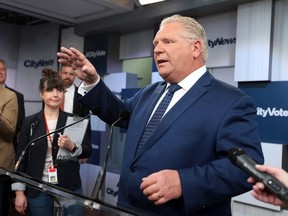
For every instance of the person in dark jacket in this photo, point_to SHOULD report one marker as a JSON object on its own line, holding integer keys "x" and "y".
{"x": 54, "y": 159}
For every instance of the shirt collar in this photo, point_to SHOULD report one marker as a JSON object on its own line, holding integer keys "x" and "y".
{"x": 71, "y": 88}
{"x": 191, "y": 79}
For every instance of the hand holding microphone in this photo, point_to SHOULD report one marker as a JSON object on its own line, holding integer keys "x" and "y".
{"x": 239, "y": 158}
{"x": 259, "y": 189}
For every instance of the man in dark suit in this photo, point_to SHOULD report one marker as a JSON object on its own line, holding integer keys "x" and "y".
{"x": 182, "y": 167}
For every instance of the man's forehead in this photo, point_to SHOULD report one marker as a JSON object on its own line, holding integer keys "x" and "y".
{"x": 67, "y": 70}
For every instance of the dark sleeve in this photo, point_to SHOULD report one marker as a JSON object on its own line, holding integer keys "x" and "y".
{"x": 21, "y": 111}
{"x": 86, "y": 143}
{"x": 23, "y": 141}
{"x": 78, "y": 108}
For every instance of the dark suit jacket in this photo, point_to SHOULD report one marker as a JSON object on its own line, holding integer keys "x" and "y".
{"x": 78, "y": 108}
{"x": 33, "y": 164}
{"x": 192, "y": 138}
{"x": 21, "y": 114}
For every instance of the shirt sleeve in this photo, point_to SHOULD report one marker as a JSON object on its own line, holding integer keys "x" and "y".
{"x": 83, "y": 89}
{"x": 18, "y": 186}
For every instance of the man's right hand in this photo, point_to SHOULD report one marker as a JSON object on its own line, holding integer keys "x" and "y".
{"x": 83, "y": 68}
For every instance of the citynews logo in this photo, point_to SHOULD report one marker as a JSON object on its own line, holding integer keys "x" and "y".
{"x": 221, "y": 41}
{"x": 40, "y": 63}
{"x": 94, "y": 54}
{"x": 272, "y": 112}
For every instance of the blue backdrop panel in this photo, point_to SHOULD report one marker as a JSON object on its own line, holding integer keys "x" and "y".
{"x": 96, "y": 51}
{"x": 129, "y": 92}
{"x": 271, "y": 99}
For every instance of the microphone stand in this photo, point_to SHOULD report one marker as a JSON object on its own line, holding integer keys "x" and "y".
{"x": 102, "y": 173}
{"x": 60, "y": 192}
{"x": 90, "y": 202}
{"x": 18, "y": 163}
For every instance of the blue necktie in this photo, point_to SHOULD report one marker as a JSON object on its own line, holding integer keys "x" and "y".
{"x": 156, "y": 118}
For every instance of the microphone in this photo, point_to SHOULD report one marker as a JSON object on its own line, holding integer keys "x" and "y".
{"x": 95, "y": 111}
{"x": 240, "y": 159}
{"x": 101, "y": 176}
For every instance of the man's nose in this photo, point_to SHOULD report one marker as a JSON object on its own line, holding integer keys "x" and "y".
{"x": 158, "y": 49}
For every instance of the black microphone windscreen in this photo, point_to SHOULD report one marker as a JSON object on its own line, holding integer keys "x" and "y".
{"x": 233, "y": 153}
{"x": 124, "y": 115}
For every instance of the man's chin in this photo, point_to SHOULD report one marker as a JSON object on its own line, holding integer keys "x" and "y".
{"x": 67, "y": 85}
{"x": 162, "y": 74}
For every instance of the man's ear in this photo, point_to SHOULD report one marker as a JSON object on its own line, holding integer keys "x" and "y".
{"x": 197, "y": 46}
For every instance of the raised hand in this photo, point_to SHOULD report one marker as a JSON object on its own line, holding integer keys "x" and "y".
{"x": 83, "y": 68}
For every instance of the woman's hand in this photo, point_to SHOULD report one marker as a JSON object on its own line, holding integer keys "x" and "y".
{"x": 20, "y": 202}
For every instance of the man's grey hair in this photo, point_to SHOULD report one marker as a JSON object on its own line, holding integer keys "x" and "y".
{"x": 192, "y": 30}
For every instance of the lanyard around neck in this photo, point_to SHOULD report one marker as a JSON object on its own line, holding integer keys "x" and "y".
{"x": 47, "y": 129}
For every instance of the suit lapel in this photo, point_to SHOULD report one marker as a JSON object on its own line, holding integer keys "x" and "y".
{"x": 143, "y": 116}
{"x": 60, "y": 123}
{"x": 38, "y": 125}
{"x": 199, "y": 89}
{"x": 76, "y": 109}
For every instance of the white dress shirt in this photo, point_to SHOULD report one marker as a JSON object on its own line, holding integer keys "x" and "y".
{"x": 69, "y": 99}
{"x": 185, "y": 84}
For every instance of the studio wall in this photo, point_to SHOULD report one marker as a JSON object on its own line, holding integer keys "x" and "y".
{"x": 9, "y": 46}
{"x": 247, "y": 44}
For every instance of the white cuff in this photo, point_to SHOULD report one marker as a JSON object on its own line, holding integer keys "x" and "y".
{"x": 82, "y": 90}
{"x": 18, "y": 186}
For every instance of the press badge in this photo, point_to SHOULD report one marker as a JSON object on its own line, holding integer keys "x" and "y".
{"x": 52, "y": 175}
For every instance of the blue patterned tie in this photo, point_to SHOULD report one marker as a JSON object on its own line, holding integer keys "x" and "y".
{"x": 156, "y": 118}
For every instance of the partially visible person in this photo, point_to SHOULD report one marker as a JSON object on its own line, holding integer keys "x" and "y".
{"x": 70, "y": 104}
{"x": 54, "y": 156}
{"x": 176, "y": 165}
{"x": 8, "y": 207}
{"x": 259, "y": 190}
{"x": 20, "y": 100}
{"x": 8, "y": 121}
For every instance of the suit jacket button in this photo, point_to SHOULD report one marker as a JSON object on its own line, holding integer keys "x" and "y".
{"x": 132, "y": 169}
